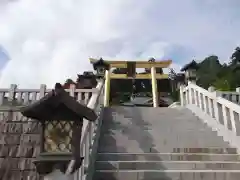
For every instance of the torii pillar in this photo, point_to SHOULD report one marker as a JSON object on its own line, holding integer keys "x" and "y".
{"x": 131, "y": 74}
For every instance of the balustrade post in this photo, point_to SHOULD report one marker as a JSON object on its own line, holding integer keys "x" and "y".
{"x": 215, "y": 104}
{"x": 212, "y": 90}
{"x": 238, "y": 89}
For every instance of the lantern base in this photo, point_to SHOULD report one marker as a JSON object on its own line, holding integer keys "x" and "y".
{"x": 46, "y": 163}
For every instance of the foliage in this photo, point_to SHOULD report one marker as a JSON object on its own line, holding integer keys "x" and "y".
{"x": 224, "y": 77}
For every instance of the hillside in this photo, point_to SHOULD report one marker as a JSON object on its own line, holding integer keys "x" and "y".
{"x": 223, "y": 77}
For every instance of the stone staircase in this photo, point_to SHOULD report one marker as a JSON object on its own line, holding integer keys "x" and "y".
{"x": 138, "y": 143}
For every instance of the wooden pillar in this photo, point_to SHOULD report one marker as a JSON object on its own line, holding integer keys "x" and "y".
{"x": 154, "y": 87}
{"x": 107, "y": 88}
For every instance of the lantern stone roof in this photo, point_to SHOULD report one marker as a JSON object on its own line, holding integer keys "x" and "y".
{"x": 58, "y": 104}
{"x": 100, "y": 62}
{"x": 191, "y": 65}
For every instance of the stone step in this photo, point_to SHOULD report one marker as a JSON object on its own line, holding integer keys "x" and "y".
{"x": 148, "y": 148}
{"x": 162, "y": 147}
{"x": 169, "y": 136}
{"x": 167, "y": 175}
{"x": 139, "y": 129}
{"x": 171, "y": 165}
{"x": 167, "y": 157}
{"x": 171, "y": 130}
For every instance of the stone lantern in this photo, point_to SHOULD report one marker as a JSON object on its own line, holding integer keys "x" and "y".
{"x": 190, "y": 71}
{"x": 61, "y": 119}
{"x": 100, "y": 66}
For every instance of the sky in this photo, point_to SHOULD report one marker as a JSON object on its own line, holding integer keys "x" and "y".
{"x": 48, "y": 41}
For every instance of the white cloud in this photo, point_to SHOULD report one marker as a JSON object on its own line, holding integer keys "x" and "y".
{"x": 51, "y": 40}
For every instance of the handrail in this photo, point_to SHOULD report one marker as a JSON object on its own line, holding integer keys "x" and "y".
{"x": 225, "y": 112}
{"x": 88, "y": 130}
{"x": 219, "y": 99}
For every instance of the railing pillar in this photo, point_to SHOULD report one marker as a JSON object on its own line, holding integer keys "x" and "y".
{"x": 211, "y": 89}
{"x": 154, "y": 87}
{"x": 238, "y": 89}
{"x": 107, "y": 89}
{"x": 182, "y": 100}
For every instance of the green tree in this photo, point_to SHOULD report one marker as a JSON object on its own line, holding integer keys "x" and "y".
{"x": 208, "y": 71}
{"x": 235, "y": 58}
{"x": 222, "y": 84}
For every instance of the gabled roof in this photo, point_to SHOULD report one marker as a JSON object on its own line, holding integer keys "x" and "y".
{"x": 86, "y": 81}
{"x": 88, "y": 74}
{"x": 191, "y": 65}
{"x": 58, "y": 104}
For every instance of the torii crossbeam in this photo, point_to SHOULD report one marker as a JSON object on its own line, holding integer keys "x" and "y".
{"x": 131, "y": 74}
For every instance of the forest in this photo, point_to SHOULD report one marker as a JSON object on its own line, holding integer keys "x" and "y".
{"x": 224, "y": 77}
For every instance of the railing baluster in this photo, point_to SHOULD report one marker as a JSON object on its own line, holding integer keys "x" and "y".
{"x": 1, "y": 97}
{"x": 201, "y": 101}
{"x": 34, "y": 96}
{"x": 222, "y": 106}
{"x": 86, "y": 97}
{"x": 224, "y": 113}
{"x": 80, "y": 97}
{"x": 205, "y": 103}
{"x": 26, "y": 98}
{"x": 232, "y": 119}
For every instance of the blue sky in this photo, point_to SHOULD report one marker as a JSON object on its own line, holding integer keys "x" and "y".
{"x": 51, "y": 40}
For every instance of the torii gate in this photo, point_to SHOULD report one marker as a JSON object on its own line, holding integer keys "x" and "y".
{"x": 131, "y": 74}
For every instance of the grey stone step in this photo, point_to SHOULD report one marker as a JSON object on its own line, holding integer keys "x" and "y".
{"x": 136, "y": 149}
{"x": 168, "y": 175}
{"x": 138, "y": 129}
{"x": 170, "y": 137}
{"x": 165, "y": 130}
{"x": 167, "y": 157}
{"x": 140, "y": 144}
{"x": 190, "y": 151}
{"x": 171, "y": 165}
{"x": 139, "y": 134}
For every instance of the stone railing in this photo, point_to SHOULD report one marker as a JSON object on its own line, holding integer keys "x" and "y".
{"x": 230, "y": 95}
{"x": 17, "y": 96}
{"x": 13, "y": 99}
{"x": 90, "y": 136}
{"x": 89, "y": 142}
{"x": 225, "y": 114}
